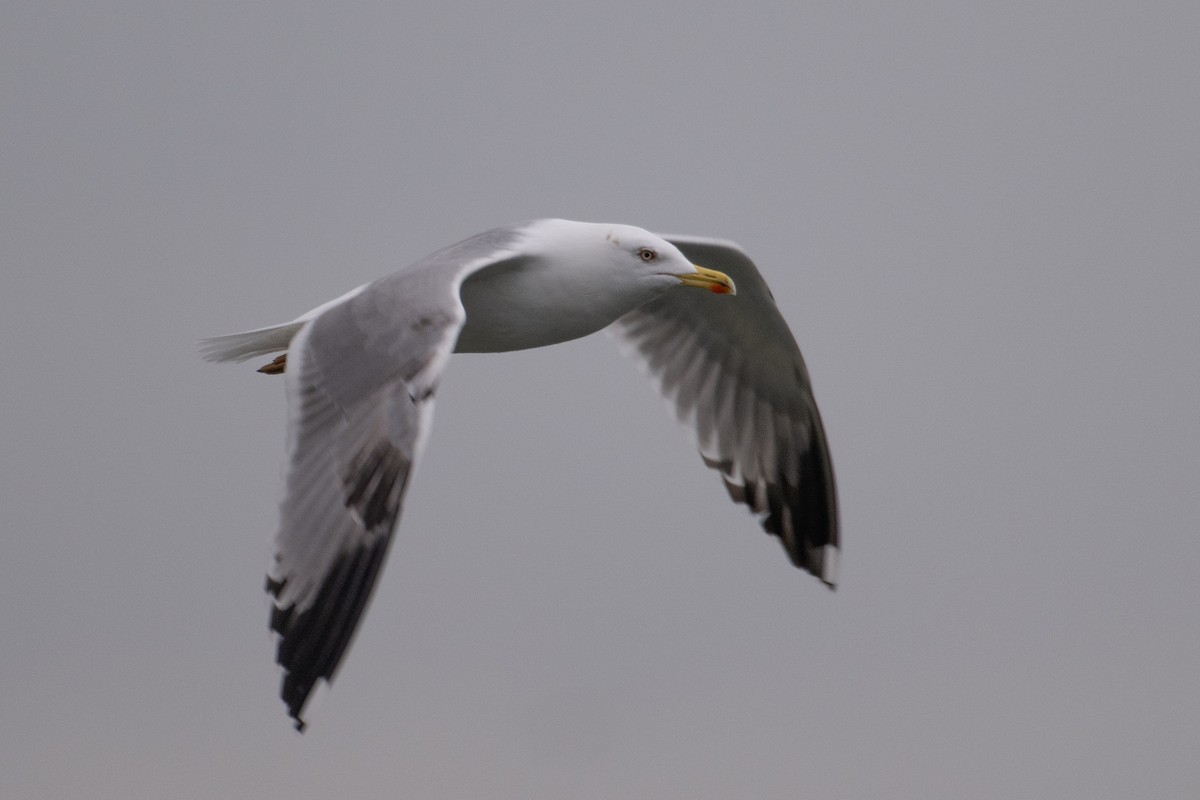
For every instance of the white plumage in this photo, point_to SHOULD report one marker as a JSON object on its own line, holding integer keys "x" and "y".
{"x": 362, "y": 371}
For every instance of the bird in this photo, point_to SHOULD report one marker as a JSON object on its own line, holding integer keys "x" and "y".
{"x": 362, "y": 371}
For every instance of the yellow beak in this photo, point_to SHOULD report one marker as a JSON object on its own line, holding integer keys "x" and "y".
{"x": 705, "y": 278}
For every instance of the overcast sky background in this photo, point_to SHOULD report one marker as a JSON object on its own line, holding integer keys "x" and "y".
{"x": 982, "y": 225}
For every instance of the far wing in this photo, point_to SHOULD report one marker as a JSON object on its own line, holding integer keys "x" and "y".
{"x": 732, "y": 370}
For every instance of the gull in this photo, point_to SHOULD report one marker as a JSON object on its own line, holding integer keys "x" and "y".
{"x": 361, "y": 372}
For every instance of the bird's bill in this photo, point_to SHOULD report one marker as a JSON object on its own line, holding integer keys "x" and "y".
{"x": 705, "y": 278}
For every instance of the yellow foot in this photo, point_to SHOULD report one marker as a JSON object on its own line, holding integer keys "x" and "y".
{"x": 276, "y": 367}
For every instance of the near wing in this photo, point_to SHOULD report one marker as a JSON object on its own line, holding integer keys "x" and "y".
{"x": 360, "y": 378}
{"x": 732, "y": 370}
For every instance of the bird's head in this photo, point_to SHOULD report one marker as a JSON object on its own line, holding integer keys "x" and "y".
{"x": 630, "y": 256}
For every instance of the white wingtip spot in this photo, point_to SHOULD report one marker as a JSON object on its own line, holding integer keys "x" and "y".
{"x": 315, "y": 700}
{"x": 829, "y": 565}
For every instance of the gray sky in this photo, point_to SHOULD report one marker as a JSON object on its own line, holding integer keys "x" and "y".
{"x": 982, "y": 224}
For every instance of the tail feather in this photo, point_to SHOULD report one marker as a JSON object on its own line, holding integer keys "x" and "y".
{"x": 249, "y": 344}
{"x": 260, "y": 342}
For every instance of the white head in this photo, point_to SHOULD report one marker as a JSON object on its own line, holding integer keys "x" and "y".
{"x": 623, "y": 256}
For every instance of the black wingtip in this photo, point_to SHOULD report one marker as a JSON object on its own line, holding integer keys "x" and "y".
{"x": 313, "y": 640}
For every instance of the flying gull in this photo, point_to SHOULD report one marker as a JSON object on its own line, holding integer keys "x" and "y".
{"x": 362, "y": 371}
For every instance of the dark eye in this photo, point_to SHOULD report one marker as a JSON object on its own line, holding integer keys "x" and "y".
{"x": 646, "y": 254}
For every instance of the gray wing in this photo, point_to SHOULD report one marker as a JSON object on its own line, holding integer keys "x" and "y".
{"x": 360, "y": 378}
{"x": 731, "y": 368}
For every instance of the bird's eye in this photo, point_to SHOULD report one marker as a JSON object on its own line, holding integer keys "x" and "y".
{"x": 646, "y": 254}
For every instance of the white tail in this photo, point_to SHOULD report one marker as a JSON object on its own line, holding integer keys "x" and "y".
{"x": 241, "y": 346}
{"x": 261, "y": 341}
